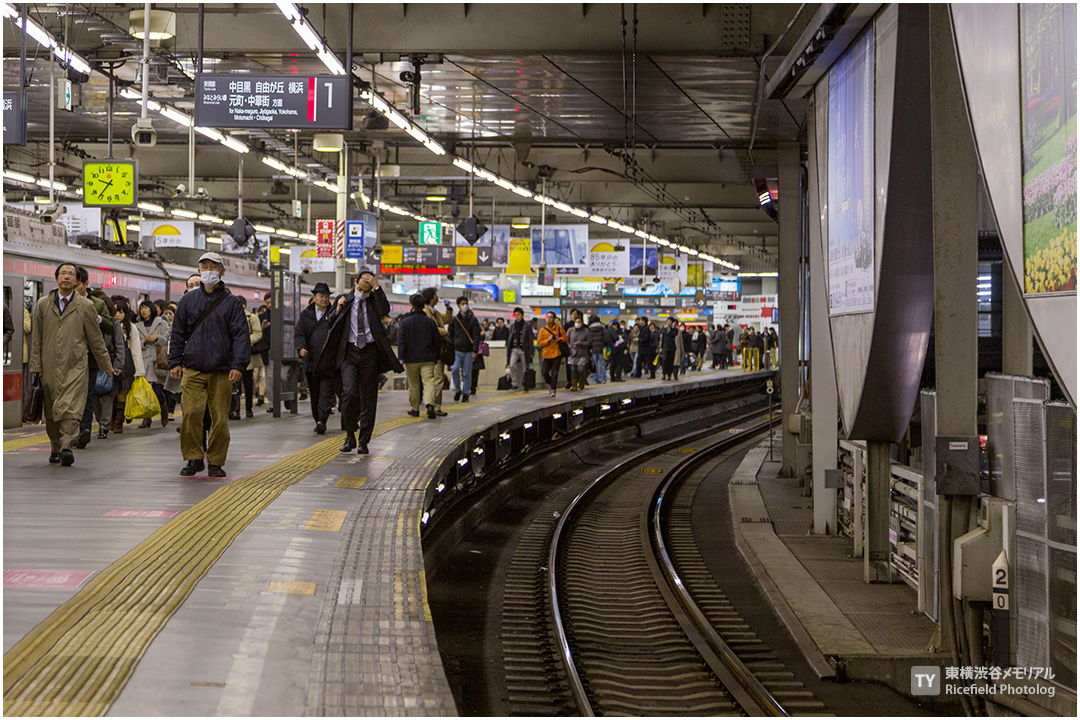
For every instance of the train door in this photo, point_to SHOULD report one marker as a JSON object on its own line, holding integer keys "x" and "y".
{"x": 13, "y": 354}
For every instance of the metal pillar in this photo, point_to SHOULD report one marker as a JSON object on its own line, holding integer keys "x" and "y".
{"x": 790, "y": 155}
{"x": 1016, "y": 332}
{"x": 824, "y": 401}
{"x": 876, "y": 557}
{"x": 955, "y": 216}
{"x": 342, "y": 209}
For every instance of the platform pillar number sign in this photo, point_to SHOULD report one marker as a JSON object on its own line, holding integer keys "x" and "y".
{"x": 354, "y": 240}
{"x": 430, "y": 233}
{"x": 769, "y": 391}
{"x": 324, "y": 238}
{"x": 1000, "y": 612}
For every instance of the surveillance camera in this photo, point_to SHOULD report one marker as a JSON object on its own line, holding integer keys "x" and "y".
{"x": 180, "y": 189}
{"x": 376, "y": 252}
{"x": 201, "y": 192}
{"x": 656, "y": 279}
{"x": 409, "y": 77}
{"x": 143, "y": 133}
{"x": 52, "y": 213}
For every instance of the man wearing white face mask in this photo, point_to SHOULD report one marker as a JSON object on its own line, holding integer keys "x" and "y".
{"x": 208, "y": 351}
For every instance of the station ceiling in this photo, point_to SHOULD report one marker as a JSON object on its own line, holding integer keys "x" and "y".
{"x": 660, "y": 129}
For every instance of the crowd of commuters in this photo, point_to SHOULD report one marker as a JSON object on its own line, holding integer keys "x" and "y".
{"x": 87, "y": 350}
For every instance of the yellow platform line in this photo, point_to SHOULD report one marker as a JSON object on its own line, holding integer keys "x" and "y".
{"x": 78, "y": 659}
{"x": 43, "y": 438}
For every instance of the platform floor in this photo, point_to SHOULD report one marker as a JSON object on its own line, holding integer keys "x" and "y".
{"x": 295, "y": 586}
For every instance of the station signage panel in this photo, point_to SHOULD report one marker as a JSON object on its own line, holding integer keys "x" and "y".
{"x": 354, "y": 239}
{"x": 14, "y": 118}
{"x": 324, "y": 238}
{"x": 320, "y": 102}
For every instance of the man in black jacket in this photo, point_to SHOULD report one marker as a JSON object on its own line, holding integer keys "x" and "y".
{"x": 310, "y": 335}
{"x": 418, "y": 342}
{"x": 646, "y": 349}
{"x": 501, "y": 331}
{"x": 208, "y": 351}
{"x": 465, "y": 335}
{"x": 359, "y": 347}
{"x": 618, "y": 351}
{"x": 519, "y": 348}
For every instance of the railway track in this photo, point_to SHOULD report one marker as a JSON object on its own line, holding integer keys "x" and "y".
{"x": 626, "y": 619}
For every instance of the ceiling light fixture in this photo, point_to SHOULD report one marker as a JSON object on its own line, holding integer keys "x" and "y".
{"x": 307, "y": 33}
{"x": 162, "y": 24}
{"x": 520, "y": 223}
{"x": 328, "y": 142}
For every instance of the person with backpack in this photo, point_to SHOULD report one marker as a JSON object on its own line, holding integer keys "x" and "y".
{"x": 208, "y": 351}
{"x": 465, "y": 335}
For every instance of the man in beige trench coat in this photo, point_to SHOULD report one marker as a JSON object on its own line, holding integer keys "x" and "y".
{"x": 65, "y": 328}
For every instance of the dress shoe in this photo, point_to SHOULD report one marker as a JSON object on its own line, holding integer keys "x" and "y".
{"x": 413, "y": 413}
{"x": 83, "y": 440}
{"x": 440, "y": 413}
{"x": 145, "y": 423}
{"x": 350, "y": 443}
{"x": 457, "y": 396}
{"x": 464, "y": 398}
{"x": 361, "y": 449}
{"x": 67, "y": 458}
{"x": 430, "y": 412}
{"x": 192, "y": 467}
{"x": 250, "y": 414}
{"x": 234, "y": 416}
{"x": 320, "y": 428}
{"x": 165, "y": 421}
{"x": 103, "y": 433}
{"x": 54, "y": 458}
{"x": 216, "y": 471}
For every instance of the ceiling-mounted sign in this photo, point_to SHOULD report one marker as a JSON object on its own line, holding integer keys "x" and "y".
{"x": 430, "y": 233}
{"x": 14, "y": 118}
{"x": 321, "y": 102}
{"x": 169, "y": 233}
{"x": 354, "y": 239}
{"x": 563, "y": 245}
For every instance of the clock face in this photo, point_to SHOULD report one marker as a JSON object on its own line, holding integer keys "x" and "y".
{"x": 110, "y": 183}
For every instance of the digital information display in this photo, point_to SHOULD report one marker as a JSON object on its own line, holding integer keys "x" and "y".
{"x": 321, "y": 102}
{"x": 14, "y": 118}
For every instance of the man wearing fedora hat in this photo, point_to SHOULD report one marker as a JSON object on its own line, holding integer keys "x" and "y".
{"x": 312, "y": 330}
{"x": 208, "y": 350}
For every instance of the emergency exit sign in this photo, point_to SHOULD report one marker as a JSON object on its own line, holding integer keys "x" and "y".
{"x": 430, "y": 233}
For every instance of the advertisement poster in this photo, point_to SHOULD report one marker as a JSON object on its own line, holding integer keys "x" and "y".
{"x": 696, "y": 273}
{"x": 497, "y": 238}
{"x": 169, "y": 233}
{"x": 851, "y": 179}
{"x": 303, "y": 259}
{"x": 644, "y": 261}
{"x": 1048, "y": 148}
{"x": 672, "y": 271}
{"x": 519, "y": 257}
{"x": 609, "y": 258}
{"x": 564, "y": 245}
{"x": 324, "y": 238}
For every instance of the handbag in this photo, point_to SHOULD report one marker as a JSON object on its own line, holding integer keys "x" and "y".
{"x": 446, "y": 353}
{"x": 34, "y": 406}
{"x": 162, "y": 357}
{"x": 484, "y": 349}
{"x": 103, "y": 383}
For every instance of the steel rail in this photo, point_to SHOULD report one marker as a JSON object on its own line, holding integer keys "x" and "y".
{"x": 565, "y": 651}
{"x": 722, "y": 660}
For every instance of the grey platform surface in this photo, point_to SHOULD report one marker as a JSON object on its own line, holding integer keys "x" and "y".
{"x": 345, "y": 631}
{"x": 858, "y": 618}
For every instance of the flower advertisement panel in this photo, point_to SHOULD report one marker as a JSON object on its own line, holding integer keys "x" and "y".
{"x": 851, "y": 179}
{"x": 1048, "y": 135}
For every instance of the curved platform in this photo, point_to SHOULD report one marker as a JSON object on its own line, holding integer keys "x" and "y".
{"x": 295, "y": 586}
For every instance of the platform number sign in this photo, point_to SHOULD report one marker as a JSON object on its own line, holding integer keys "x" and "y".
{"x": 1001, "y": 582}
{"x": 430, "y": 233}
{"x": 768, "y": 387}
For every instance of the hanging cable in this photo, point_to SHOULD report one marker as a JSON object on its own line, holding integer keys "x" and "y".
{"x": 633, "y": 97}
{"x": 626, "y": 129}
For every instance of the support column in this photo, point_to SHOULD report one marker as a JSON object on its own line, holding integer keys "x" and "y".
{"x": 955, "y": 185}
{"x": 824, "y": 401}
{"x": 1016, "y": 331}
{"x": 790, "y": 306}
{"x": 876, "y": 556}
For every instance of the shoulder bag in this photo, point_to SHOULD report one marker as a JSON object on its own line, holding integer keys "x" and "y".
{"x": 194, "y": 326}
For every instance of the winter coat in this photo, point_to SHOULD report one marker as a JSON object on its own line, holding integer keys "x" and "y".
{"x": 527, "y": 339}
{"x": 337, "y": 341}
{"x": 149, "y": 352}
{"x": 59, "y": 351}
{"x": 503, "y": 333}
{"x": 418, "y": 339}
{"x": 599, "y": 337}
{"x": 311, "y": 333}
{"x": 634, "y": 331}
{"x": 548, "y": 340}
{"x": 221, "y": 342}
{"x": 646, "y": 341}
{"x": 580, "y": 342}
{"x": 255, "y": 331}
{"x": 134, "y": 341}
{"x": 717, "y": 341}
{"x": 441, "y": 318}
{"x": 672, "y": 342}
{"x": 465, "y": 332}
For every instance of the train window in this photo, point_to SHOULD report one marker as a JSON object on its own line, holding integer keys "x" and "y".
{"x": 32, "y": 291}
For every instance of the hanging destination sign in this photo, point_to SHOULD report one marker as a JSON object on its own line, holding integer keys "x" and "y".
{"x": 273, "y": 101}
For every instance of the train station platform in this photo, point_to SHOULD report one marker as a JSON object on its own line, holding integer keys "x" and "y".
{"x": 294, "y": 586}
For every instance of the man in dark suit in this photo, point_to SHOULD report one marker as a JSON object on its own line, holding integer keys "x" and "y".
{"x": 358, "y": 345}
{"x": 311, "y": 332}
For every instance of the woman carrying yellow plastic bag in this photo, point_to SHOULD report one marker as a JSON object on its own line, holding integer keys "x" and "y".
{"x": 141, "y": 401}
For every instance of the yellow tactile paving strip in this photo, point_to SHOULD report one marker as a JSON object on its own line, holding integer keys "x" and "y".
{"x": 76, "y": 662}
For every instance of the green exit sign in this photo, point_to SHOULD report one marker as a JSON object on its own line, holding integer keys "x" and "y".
{"x": 430, "y": 233}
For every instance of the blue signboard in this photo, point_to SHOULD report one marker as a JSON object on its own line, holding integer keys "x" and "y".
{"x": 354, "y": 240}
